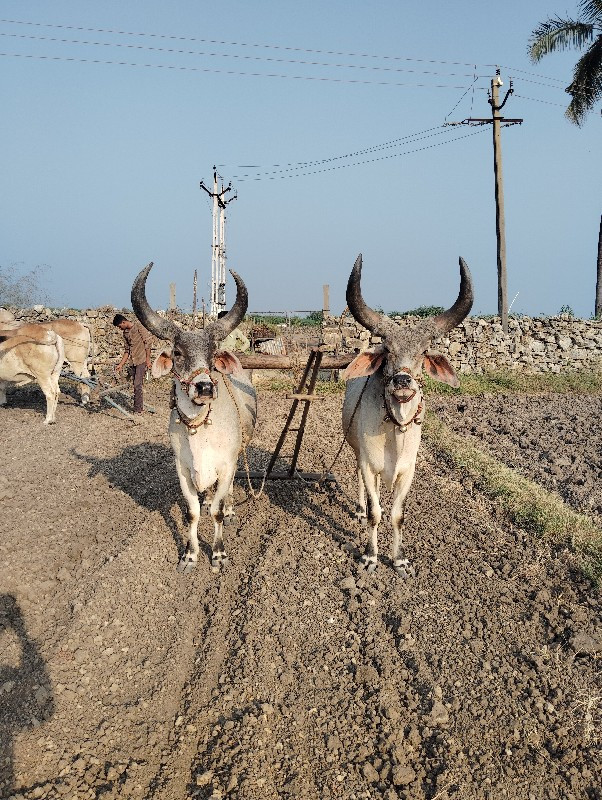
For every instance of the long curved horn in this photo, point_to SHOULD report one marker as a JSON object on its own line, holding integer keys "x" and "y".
{"x": 222, "y": 327}
{"x": 372, "y": 320}
{"x": 159, "y": 326}
{"x": 449, "y": 319}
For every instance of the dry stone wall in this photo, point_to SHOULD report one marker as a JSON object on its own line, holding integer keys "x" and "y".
{"x": 549, "y": 344}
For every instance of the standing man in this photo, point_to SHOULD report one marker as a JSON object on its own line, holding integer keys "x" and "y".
{"x": 137, "y": 347}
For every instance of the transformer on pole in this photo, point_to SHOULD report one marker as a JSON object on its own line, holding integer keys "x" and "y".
{"x": 217, "y": 301}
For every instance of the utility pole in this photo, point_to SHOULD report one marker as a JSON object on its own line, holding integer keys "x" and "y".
{"x": 598, "y": 306}
{"x": 218, "y": 251}
{"x": 194, "y": 282}
{"x": 497, "y": 122}
{"x": 500, "y": 218}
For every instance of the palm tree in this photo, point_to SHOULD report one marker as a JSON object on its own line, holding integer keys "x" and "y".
{"x": 562, "y": 34}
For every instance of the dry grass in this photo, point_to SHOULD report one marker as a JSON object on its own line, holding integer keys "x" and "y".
{"x": 528, "y": 504}
{"x": 575, "y": 382}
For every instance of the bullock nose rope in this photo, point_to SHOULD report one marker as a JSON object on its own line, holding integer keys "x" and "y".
{"x": 418, "y": 415}
{"x": 340, "y": 450}
{"x": 183, "y": 419}
{"x": 255, "y": 495}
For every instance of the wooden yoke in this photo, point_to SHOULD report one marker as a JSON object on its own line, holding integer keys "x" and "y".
{"x": 266, "y": 361}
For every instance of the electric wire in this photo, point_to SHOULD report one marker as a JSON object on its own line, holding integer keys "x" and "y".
{"x": 236, "y": 44}
{"x": 215, "y": 71}
{"x": 171, "y": 37}
{"x": 229, "y": 55}
{"x": 360, "y": 163}
{"x": 537, "y": 100}
{"x": 278, "y": 169}
{"x": 462, "y": 98}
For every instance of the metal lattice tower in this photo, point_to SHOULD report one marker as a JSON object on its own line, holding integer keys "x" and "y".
{"x": 218, "y": 247}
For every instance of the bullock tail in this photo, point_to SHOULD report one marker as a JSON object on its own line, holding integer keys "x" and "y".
{"x": 92, "y": 353}
{"x": 8, "y": 342}
{"x": 60, "y": 351}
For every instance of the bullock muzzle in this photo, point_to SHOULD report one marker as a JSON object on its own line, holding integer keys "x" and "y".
{"x": 400, "y": 386}
{"x": 205, "y": 390}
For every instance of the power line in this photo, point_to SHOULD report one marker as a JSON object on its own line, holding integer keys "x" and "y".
{"x": 536, "y": 100}
{"x": 286, "y": 48}
{"x": 462, "y": 98}
{"x": 367, "y": 161}
{"x": 228, "y": 55}
{"x": 415, "y": 137}
{"x": 214, "y": 71}
{"x": 235, "y": 44}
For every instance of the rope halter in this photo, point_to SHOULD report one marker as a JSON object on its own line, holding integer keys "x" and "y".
{"x": 191, "y": 424}
{"x": 418, "y": 414}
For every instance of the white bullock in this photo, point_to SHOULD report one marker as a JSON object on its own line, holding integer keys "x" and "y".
{"x": 384, "y": 406}
{"x": 214, "y": 408}
{"x": 33, "y": 357}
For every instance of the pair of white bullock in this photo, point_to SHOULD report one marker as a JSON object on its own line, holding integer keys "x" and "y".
{"x": 36, "y": 352}
{"x": 214, "y": 408}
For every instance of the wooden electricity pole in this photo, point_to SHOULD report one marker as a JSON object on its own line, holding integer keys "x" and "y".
{"x": 496, "y": 122}
{"x": 598, "y": 306}
{"x": 500, "y": 219}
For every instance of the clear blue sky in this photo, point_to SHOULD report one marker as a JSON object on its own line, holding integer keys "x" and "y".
{"x": 102, "y": 161}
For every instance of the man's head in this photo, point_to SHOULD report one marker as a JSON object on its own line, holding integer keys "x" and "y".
{"x": 121, "y": 322}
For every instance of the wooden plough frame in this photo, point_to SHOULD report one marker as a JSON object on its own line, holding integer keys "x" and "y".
{"x": 105, "y": 393}
{"x": 303, "y": 394}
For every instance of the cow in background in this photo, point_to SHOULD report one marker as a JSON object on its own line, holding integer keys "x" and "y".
{"x": 76, "y": 338}
{"x": 37, "y": 356}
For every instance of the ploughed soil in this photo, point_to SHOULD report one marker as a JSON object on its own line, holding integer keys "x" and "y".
{"x": 291, "y": 674}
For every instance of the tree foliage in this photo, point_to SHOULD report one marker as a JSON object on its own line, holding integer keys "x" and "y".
{"x": 421, "y": 311}
{"x": 565, "y": 34}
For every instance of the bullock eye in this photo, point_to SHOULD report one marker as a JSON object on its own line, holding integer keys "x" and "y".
{"x": 177, "y": 353}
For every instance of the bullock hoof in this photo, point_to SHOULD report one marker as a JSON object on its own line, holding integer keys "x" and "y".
{"x": 186, "y": 564}
{"x": 368, "y": 563}
{"x": 219, "y": 561}
{"x": 230, "y": 519}
{"x": 404, "y": 569}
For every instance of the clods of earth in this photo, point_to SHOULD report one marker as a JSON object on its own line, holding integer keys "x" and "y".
{"x": 291, "y": 674}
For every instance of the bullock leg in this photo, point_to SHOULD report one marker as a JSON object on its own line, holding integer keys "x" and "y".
{"x": 361, "y": 501}
{"x": 361, "y": 510}
{"x": 50, "y": 387}
{"x": 81, "y": 370}
{"x": 219, "y": 557}
{"x": 191, "y": 555}
{"x": 229, "y": 514}
{"x": 373, "y": 513}
{"x": 402, "y": 486}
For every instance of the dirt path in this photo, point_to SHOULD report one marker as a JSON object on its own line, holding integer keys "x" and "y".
{"x": 289, "y": 675}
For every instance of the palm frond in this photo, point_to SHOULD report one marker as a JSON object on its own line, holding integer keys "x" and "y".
{"x": 559, "y": 34}
{"x": 586, "y": 87}
{"x": 591, "y": 11}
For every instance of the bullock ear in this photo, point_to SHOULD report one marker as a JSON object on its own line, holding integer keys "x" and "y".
{"x": 438, "y": 367}
{"x": 226, "y": 362}
{"x": 365, "y": 363}
{"x": 162, "y": 364}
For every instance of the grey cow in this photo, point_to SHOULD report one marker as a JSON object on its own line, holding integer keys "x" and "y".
{"x": 214, "y": 409}
{"x": 384, "y": 406}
